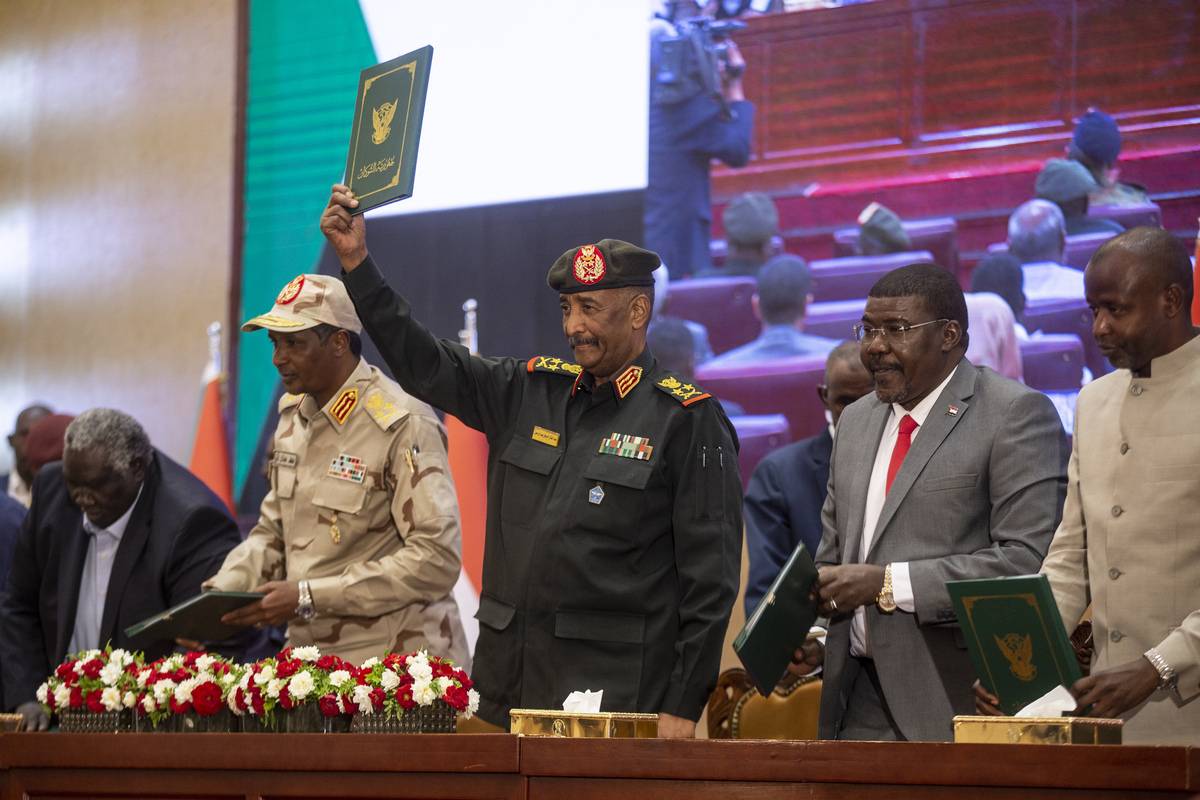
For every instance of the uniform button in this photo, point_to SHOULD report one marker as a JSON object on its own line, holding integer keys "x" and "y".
{"x": 1114, "y": 573}
{"x": 1137, "y": 389}
{"x": 1116, "y": 636}
{"x": 1117, "y": 511}
{"x": 1124, "y": 448}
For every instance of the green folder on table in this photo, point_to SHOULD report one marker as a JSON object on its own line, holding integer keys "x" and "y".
{"x": 1015, "y": 636}
{"x": 198, "y": 619}
{"x": 382, "y": 162}
{"x": 780, "y": 623}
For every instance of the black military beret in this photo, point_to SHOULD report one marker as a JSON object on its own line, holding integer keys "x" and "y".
{"x": 607, "y": 264}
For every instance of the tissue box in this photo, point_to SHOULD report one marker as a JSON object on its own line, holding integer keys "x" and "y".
{"x": 580, "y": 725}
{"x": 1037, "y": 730}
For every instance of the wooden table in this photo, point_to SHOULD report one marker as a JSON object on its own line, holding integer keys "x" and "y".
{"x": 502, "y": 766}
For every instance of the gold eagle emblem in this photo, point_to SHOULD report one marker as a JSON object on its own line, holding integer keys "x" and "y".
{"x": 381, "y": 118}
{"x": 1018, "y": 651}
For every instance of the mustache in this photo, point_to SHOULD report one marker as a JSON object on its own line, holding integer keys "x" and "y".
{"x": 577, "y": 341}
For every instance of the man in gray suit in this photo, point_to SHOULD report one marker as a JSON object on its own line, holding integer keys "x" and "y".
{"x": 948, "y": 471}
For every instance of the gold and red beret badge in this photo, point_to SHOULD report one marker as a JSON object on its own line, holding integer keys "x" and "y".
{"x": 290, "y": 292}
{"x": 589, "y": 264}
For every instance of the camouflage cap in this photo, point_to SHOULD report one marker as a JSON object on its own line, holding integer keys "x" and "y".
{"x": 750, "y": 219}
{"x": 306, "y": 302}
{"x": 607, "y": 264}
{"x": 1061, "y": 181}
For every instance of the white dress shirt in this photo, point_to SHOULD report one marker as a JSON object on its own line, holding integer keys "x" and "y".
{"x": 93, "y": 583}
{"x": 1045, "y": 279}
{"x": 876, "y": 493}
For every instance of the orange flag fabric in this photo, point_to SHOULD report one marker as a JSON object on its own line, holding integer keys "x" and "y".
{"x": 210, "y": 450}
{"x": 468, "y": 464}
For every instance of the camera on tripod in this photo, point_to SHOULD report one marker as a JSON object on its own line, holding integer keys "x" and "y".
{"x": 693, "y": 60}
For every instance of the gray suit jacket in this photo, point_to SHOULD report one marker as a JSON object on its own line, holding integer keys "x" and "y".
{"x": 979, "y": 495}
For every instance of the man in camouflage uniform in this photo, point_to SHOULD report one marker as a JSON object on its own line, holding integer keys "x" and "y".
{"x": 358, "y": 542}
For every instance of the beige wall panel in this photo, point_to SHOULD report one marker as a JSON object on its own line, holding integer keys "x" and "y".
{"x": 117, "y": 129}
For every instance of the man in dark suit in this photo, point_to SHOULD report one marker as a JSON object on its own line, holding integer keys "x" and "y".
{"x": 117, "y": 532}
{"x": 947, "y": 471}
{"x": 785, "y": 495}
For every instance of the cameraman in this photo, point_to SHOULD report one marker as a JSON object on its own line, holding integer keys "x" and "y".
{"x": 686, "y": 133}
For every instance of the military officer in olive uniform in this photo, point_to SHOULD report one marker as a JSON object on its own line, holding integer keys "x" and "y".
{"x": 358, "y": 542}
{"x": 614, "y": 502}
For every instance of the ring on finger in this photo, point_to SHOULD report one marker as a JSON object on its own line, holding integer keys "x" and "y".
{"x": 833, "y": 604}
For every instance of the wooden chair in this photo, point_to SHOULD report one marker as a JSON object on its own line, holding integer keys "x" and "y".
{"x": 737, "y": 711}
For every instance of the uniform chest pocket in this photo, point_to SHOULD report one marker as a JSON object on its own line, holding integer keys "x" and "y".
{"x": 345, "y": 497}
{"x": 283, "y": 480}
{"x": 528, "y": 465}
{"x": 612, "y": 497}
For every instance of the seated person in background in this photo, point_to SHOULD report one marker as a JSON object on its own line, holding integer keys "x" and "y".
{"x": 671, "y": 342}
{"x": 1067, "y": 184}
{"x": 1097, "y": 145}
{"x": 784, "y": 291}
{"x": 17, "y": 482}
{"x": 1036, "y": 237}
{"x": 880, "y": 232}
{"x": 117, "y": 532}
{"x": 45, "y": 442}
{"x": 993, "y": 341}
{"x": 1000, "y": 274}
{"x": 751, "y": 234}
{"x": 701, "y": 344}
{"x": 786, "y": 492}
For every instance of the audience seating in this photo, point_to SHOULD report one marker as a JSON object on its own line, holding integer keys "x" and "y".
{"x": 1068, "y": 315}
{"x": 835, "y": 320}
{"x": 939, "y": 236}
{"x": 1076, "y": 251}
{"x": 1130, "y": 216}
{"x": 718, "y": 249}
{"x": 852, "y": 277}
{"x": 757, "y": 436}
{"x": 785, "y": 386}
{"x": 720, "y": 304}
{"x": 1053, "y": 362}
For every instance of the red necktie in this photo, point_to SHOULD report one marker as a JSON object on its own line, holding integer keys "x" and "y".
{"x": 903, "y": 442}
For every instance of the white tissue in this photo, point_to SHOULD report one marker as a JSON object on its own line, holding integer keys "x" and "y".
{"x": 1052, "y": 704}
{"x": 585, "y": 702}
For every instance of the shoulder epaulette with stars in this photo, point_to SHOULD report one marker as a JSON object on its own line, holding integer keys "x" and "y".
{"x": 289, "y": 401}
{"x": 382, "y": 408}
{"x": 554, "y": 365}
{"x": 685, "y": 393}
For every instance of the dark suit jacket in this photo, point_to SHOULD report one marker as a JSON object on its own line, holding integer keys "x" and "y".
{"x": 783, "y": 509}
{"x": 979, "y": 495}
{"x": 177, "y": 536}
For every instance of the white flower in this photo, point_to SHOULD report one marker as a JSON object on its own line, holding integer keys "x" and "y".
{"x": 420, "y": 671}
{"x": 163, "y": 691}
{"x": 110, "y": 673}
{"x": 142, "y": 677}
{"x": 79, "y": 667}
{"x": 121, "y": 657}
{"x": 301, "y": 685}
{"x": 439, "y": 686}
{"x": 389, "y": 680}
{"x": 43, "y": 693}
{"x": 265, "y": 676}
{"x": 231, "y": 701}
{"x": 172, "y": 662}
{"x": 424, "y": 693}
{"x": 149, "y": 704}
{"x": 228, "y": 679}
{"x": 204, "y": 663}
{"x": 339, "y": 677}
{"x": 183, "y": 692}
{"x": 370, "y": 662}
{"x": 362, "y": 697}
{"x": 273, "y": 687}
{"x": 129, "y": 700}
{"x": 88, "y": 655}
{"x": 472, "y": 702}
{"x": 62, "y": 697}
{"x": 308, "y": 653}
{"x": 111, "y": 698}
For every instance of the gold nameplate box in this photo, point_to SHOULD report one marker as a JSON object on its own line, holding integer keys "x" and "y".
{"x": 1037, "y": 730}
{"x": 579, "y": 725}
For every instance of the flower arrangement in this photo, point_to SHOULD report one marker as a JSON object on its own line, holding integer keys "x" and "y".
{"x": 92, "y": 681}
{"x": 184, "y": 684}
{"x": 297, "y": 677}
{"x": 397, "y": 684}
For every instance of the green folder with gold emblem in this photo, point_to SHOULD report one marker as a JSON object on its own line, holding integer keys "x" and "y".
{"x": 780, "y": 623}
{"x": 382, "y": 162}
{"x": 1015, "y": 636}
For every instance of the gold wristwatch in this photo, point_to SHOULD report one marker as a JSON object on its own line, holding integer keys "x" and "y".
{"x": 885, "y": 600}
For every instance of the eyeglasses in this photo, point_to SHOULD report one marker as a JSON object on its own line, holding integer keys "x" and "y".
{"x": 892, "y": 332}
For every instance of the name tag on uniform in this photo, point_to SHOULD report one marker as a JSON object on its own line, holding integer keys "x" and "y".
{"x": 281, "y": 459}
{"x": 348, "y": 468}
{"x": 545, "y": 436}
{"x": 627, "y": 446}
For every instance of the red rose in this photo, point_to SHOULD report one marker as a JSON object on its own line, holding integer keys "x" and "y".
{"x": 50, "y": 699}
{"x": 404, "y": 696}
{"x": 286, "y": 669}
{"x": 65, "y": 670}
{"x": 285, "y": 699}
{"x": 377, "y": 698}
{"x": 140, "y": 707}
{"x": 93, "y": 702}
{"x": 189, "y": 658}
{"x": 284, "y": 654}
{"x": 207, "y": 699}
{"x": 329, "y": 705}
{"x": 394, "y": 662}
{"x": 239, "y": 699}
{"x": 177, "y": 707}
{"x": 256, "y": 702}
{"x": 327, "y": 662}
{"x": 132, "y": 669}
{"x": 457, "y": 697}
{"x": 220, "y": 668}
{"x": 180, "y": 675}
{"x": 348, "y": 701}
{"x": 92, "y": 667}
{"x": 76, "y": 697}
